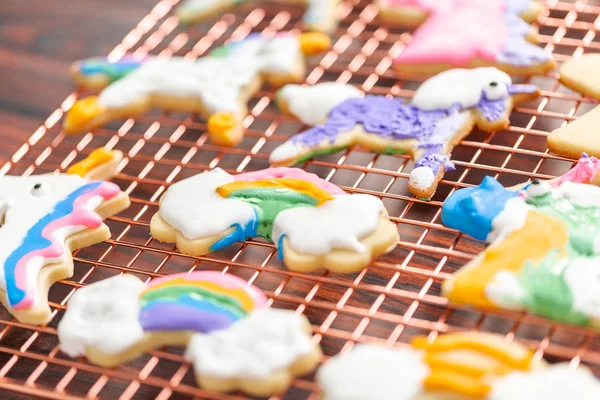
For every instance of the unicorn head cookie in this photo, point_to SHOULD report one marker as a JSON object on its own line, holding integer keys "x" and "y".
{"x": 442, "y": 112}
{"x": 313, "y": 223}
{"x": 43, "y": 218}
{"x": 217, "y": 86}
{"x": 545, "y": 247}
{"x": 468, "y": 34}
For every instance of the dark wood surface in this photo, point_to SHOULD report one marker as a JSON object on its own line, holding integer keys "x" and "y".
{"x": 39, "y": 39}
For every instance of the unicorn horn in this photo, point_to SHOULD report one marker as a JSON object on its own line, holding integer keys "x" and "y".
{"x": 82, "y": 113}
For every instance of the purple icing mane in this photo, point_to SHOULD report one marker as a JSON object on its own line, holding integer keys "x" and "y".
{"x": 392, "y": 119}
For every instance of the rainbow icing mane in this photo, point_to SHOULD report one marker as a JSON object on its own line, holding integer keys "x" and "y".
{"x": 113, "y": 71}
{"x": 44, "y": 241}
{"x": 269, "y": 192}
{"x": 202, "y": 301}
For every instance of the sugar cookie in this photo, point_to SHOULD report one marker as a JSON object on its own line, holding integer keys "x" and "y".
{"x": 313, "y": 223}
{"x": 101, "y": 164}
{"x": 544, "y": 255}
{"x": 457, "y": 366}
{"x": 468, "y": 34}
{"x": 581, "y": 75}
{"x": 579, "y": 136}
{"x": 443, "y": 111}
{"x": 44, "y": 218}
{"x": 320, "y": 16}
{"x": 260, "y": 355}
{"x": 116, "y": 320}
{"x": 217, "y": 86}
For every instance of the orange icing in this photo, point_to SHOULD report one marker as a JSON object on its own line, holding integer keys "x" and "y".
{"x": 220, "y": 127}
{"x": 297, "y": 185}
{"x": 448, "y": 380}
{"x": 83, "y": 111}
{"x": 540, "y": 234}
{"x": 96, "y": 158}
{"x": 314, "y": 42}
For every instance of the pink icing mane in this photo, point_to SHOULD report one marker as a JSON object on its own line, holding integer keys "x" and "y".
{"x": 453, "y": 31}
{"x": 582, "y": 172}
{"x": 294, "y": 173}
{"x": 79, "y": 217}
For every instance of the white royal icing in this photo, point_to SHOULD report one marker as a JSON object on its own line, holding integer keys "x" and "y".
{"x": 337, "y": 224}
{"x": 264, "y": 342}
{"x": 582, "y": 277}
{"x": 510, "y": 219}
{"x": 289, "y": 150}
{"x": 461, "y": 86}
{"x": 23, "y": 206}
{"x": 579, "y": 194}
{"x": 422, "y": 178}
{"x": 194, "y": 208}
{"x": 216, "y": 81}
{"x": 557, "y": 382}
{"x": 505, "y": 291}
{"x": 372, "y": 372}
{"x": 103, "y": 315}
{"x": 312, "y": 104}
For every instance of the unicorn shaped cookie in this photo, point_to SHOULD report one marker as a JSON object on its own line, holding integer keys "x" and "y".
{"x": 457, "y": 366}
{"x": 313, "y": 222}
{"x": 544, "y": 255}
{"x": 320, "y": 15}
{"x": 43, "y": 218}
{"x": 217, "y": 86}
{"x": 442, "y": 112}
{"x": 468, "y": 34}
{"x": 233, "y": 340}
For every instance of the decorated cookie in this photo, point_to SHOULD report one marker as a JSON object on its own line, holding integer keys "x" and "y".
{"x": 217, "y": 86}
{"x": 44, "y": 218}
{"x": 101, "y": 164}
{"x": 442, "y": 112}
{"x": 544, "y": 255}
{"x": 115, "y": 320}
{"x": 313, "y": 222}
{"x": 468, "y": 34}
{"x": 581, "y": 75}
{"x": 458, "y": 366}
{"x": 320, "y": 16}
{"x": 261, "y": 354}
{"x": 577, "y": 137}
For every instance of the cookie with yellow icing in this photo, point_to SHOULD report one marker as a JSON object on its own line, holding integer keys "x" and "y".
{"x": 100, "y": 164}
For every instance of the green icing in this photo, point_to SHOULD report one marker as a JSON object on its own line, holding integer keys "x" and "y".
{"x": 547, "y": 293}
{"x": 389, "y": 150}
{"x": 173, "y": 293}
{"x": 268, "y": 203}
{"x": 320, "y": 152}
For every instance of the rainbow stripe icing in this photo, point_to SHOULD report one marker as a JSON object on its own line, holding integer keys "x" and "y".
{"x": 202, "y": 301}
{"x": 112, "y": 71}
{"x": 39, "y": 214}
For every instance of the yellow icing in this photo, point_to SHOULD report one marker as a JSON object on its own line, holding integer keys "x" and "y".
{"x": 314, "y": 43}
{"x": 96, "y": 158}
{"x": 540, "y": 234}
{"x": 452, "y": 381}
{"x": 476, "y": 365}
{"x": 83, "y": 111}
{"x": 245, "y": 299}
{"x": 220, "y": 127}
{"x": 297, "y": 185}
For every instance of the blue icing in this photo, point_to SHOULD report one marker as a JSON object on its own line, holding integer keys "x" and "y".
{"x": 34, "y": 240}
{"x": 280, "y": 248}
{"x": 239, "y": 234}
{"x": 196, "y": 302}
{"x": 472, "y": 210}
{"x": 113, "y": 70}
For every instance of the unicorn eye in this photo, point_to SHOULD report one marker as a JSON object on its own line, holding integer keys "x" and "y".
{"x": 538, "y": 188}
{"x": 39, "y": 189}
{"x": 495, "y": 90}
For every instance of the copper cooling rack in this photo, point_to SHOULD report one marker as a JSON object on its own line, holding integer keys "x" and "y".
{"x": 394, "y": 299}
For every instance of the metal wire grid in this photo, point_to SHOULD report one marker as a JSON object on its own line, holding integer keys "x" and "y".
{"x": 389, "y": 302}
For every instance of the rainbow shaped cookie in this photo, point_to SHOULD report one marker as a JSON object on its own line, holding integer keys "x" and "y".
{"x": 313, "y": 222}
{"x": 544, "y": 252}
{"x": 468, "y": 34}
{"x": 43, "y": 219}
{"x": 457, "y": 366}
{"x": 232, "y": 339}
{"x": 443, "y": 111}
{"x": 320, "y": 15}
{"x": 217, "y": 86}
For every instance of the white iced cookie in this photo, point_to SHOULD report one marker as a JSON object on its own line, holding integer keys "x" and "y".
{"x": 259, "y": 355}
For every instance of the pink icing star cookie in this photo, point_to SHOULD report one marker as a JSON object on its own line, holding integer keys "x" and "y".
{"x": 217, "y": 86}
{"x": 313, "y": 223}
{"x": 468, "y": 34}
{"x": 43, "y": 218}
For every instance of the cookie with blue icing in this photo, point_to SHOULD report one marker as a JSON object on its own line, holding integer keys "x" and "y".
{"x": 442, "y": 112}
